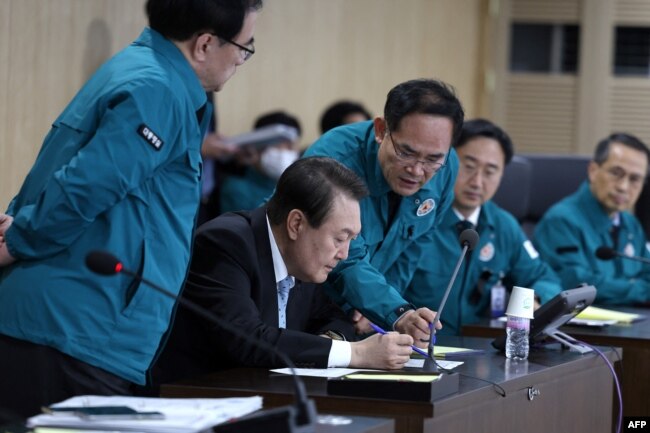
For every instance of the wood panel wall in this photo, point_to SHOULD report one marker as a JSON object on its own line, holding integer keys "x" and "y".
{"x": 309, "y": 53}
{"x": 541, "y": 112}
{"x": 312, "y": 52}
{"x": 48, "y": 49}
{"x": 569, "y": 113}
{"x": 628, "y": 98}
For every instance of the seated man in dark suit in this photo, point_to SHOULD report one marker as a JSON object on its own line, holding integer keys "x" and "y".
{"x": 239, "y": 266}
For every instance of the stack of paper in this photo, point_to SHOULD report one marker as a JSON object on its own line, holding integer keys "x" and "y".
{"x": 265, "y": 136}
{"x": 595, "y": 314}
{"x": 340, "y": 372}
{"x": 181, "y": 415}
{"x": 454, "y": 352}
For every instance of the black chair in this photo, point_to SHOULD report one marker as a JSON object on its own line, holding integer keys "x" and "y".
{"x": 513, "y": 193}
{"x": 642, "y": 211}
{"x": 553, "y": 177}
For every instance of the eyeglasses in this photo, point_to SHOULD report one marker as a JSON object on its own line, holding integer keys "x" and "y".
{"x": 618, "y": 174}
{"x": 246, "y": 52}
{"x": 489, "y": 173}
{"x": 410, "y": 159}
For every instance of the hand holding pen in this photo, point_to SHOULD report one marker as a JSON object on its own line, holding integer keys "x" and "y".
{"x": 379, "y": 330}
{"x": 417, "y": 323}
{"x": 385, "y": 352}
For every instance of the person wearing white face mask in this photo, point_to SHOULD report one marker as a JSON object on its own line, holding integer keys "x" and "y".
{"x": 275, "y": 159}
{"x": 257, "y": 183}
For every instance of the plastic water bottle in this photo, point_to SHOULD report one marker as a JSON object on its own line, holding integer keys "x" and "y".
{"x": 497, "y": 300}
{"x": 517, "y": 337}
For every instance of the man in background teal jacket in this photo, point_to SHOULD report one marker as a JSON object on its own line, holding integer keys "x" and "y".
{"x": 597, "y": 216}
{"x": 120, "y": 171}
{"x": 503, "y": 254}
{"x": 407, "y": 162}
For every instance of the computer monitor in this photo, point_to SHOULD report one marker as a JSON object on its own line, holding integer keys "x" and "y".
{"x": 555, "y": 313}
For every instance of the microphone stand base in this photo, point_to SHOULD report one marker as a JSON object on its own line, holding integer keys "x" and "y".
{"x": 430, "y": 366}
{"x": 280, "y": 419}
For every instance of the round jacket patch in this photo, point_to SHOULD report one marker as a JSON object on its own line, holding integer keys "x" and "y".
{"x": 427, "y": 206}
{"x": 629, "y": 250}
{"x": 487, "y": 252}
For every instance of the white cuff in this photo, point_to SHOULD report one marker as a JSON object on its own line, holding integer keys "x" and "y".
{"x": 340, "y": 354}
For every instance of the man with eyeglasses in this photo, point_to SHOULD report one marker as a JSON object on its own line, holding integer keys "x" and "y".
{"x": 597, "y": 215}
{"x": 406, "y": 159}
{"x": 120, "y": 170}
{"x": 503, "y": 257}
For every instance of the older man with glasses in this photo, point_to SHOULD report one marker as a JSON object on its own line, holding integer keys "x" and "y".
{"x": 407, "y": 161}
{"x": 597, "y": 217}
{"x": 120, "y": 170}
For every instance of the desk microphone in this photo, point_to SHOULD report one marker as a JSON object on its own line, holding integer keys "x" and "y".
{"x": 468, "y": 239}
{"x": 608, "y": 253}
{"x": 298, "y": 419}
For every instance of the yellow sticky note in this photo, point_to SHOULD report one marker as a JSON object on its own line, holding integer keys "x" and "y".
{"x": 70, "y": 430}
{"x": 441, "y": 350}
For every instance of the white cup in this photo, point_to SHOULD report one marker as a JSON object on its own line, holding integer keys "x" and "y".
{"x": 522, "y": 302}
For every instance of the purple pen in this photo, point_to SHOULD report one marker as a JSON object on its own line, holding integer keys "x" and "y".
{"x": 415, "y": 349}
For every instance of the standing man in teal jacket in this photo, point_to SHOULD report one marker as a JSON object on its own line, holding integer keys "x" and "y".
{"x": 597, "y": 216}
{"x": 406, "y": 159}
{"x": 120, "y": 171}
{"x": 503, "y": 255}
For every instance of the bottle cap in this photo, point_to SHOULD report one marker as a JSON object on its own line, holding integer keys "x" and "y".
{"x": 522, "y": 302}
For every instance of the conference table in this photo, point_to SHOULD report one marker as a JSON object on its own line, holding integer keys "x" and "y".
{"x": 325, "y": 424}
{"x": 554, "y": 390}
{"x": 634, "y": 339}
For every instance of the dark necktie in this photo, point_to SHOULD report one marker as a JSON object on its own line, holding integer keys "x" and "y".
{"x": 614, "y": 231}
{"x": 394, "y": 200}
{"x": 200, "y": 112}
{"x": 463, "y": 225}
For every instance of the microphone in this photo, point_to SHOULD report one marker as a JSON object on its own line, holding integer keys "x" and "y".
{"x": 298, "y": 419}
{"x": 608, "y": 253}
{"x": 468, "y": 239}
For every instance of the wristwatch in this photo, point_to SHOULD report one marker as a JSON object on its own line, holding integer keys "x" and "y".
{"x": 334, "y": 335}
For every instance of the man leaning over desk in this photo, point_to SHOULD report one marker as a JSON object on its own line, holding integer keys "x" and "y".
{"x": 405, "y": 158}
{"x": 257, "y": 271}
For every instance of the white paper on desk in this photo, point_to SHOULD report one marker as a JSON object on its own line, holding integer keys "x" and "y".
{"x": 181, "y": 415}
{"x": 338, "y": 372}
{"x": 415, "y": 362}
{"x": 317, "y": 372}
{"x": 419, "y": 363}
{"x": 265, "y": 136}
{"x": 448, "y": 365}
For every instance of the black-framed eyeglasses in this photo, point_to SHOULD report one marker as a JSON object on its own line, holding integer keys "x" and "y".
{"x": 246, "y": 52}
{"x": 618, "y": 174}
{"x": 410, "y": 159}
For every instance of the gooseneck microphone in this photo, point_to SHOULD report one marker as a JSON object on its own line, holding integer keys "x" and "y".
{"x": 608, "y": 253}
{"x": 300, "y": 419}
{"x": 468, "y": 239}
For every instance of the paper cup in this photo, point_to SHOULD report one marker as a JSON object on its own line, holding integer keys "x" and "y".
{"x": 522, "y": 301}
